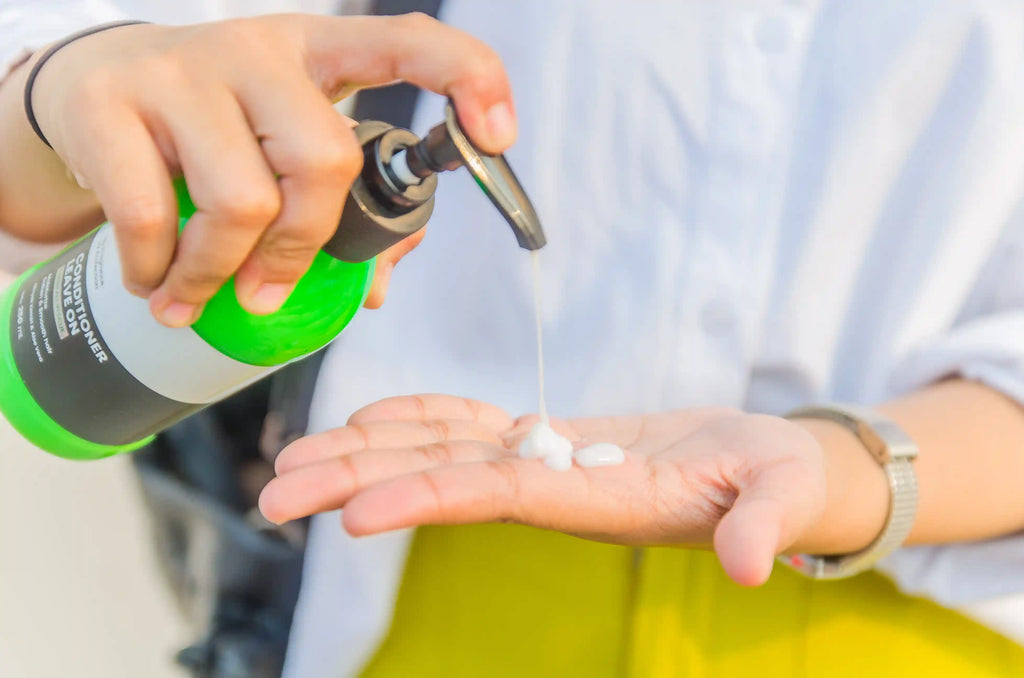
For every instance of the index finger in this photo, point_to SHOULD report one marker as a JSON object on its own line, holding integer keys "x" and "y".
{"x": 579, "y": 501}
{"x": 116, "y": 153}
{"x": 368, "y": 51}
{"x": 354, "y": 438}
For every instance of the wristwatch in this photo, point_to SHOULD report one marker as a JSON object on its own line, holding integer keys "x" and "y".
{"x": 894, "y": 451}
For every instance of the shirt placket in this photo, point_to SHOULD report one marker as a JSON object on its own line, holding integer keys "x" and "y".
{"x": 727, "y": 269}
{"x": 725, "y": 280}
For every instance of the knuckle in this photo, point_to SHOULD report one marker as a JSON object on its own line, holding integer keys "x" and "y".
{"x": 507, "y": 473}
{"x": 341, "y": 154}
{"x": 419, "y": 404}
{"x": 141, "y": 217}
{"x": 290, "y": 250}
{"x": 439, "y": 429}
{"x": 336, "y": 155}
{"x": 436, "y": 454}
{"x": 414, "y": 22}
{"x": 488, "y": 62}
{"x": 482, "y": 70}
{"x": 362, "y": 433}
{"x": 243, "y": 33}
{"x": 251, "y": 39}
{"x": 197, "y": 279}
{"x": 430, "y": 482}
{"x": 512, "y": 490}
{"x": 247, "y": 205}
{"x": 481, "y": 432}
{"x": 349, "y": 477}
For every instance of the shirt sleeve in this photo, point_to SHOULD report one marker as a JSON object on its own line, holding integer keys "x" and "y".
{"x": 986, "y": 344}
{"x": 27, "y": 25}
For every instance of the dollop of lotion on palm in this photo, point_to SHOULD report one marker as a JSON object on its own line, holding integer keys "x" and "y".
{"x": 543, "y": 442}
{"x": 600, "y": 454}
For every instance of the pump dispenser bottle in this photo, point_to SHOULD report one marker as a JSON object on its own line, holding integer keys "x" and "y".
{"x": 86, "y": 371}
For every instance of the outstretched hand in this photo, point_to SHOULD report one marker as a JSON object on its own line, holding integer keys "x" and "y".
{"x": 749, "y": 485}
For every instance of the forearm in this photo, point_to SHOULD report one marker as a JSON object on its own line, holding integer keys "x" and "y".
{"x": 39, "y": 200}
{"x": 971, "y": 463}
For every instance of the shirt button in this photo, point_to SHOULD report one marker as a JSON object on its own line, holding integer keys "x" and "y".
{"x": 717, "y": 316}
{"x": 772, "y": 35}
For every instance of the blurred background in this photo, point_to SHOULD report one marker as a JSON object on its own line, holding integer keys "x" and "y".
{"x": 80, "y": 593}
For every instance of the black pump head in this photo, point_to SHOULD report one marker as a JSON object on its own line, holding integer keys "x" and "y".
{"x": 394, "y": 194}
{"x": 378, "y": 212}
{"x": 446, "y": 147}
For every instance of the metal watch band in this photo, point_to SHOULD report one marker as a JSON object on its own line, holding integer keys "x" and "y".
{"x": 895, "y": 451}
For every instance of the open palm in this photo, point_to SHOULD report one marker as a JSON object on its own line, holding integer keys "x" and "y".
{"x": 748, "y": 484}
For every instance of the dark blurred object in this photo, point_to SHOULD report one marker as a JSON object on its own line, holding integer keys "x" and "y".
{"x": 232, "y": 573}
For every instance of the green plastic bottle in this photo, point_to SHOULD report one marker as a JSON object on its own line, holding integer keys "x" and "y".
{"x": 86, "y": 371}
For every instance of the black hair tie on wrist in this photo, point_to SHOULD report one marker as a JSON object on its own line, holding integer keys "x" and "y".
{"x": 29, "y": 113}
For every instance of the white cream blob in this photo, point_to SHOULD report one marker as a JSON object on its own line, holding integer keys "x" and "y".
{"x": 558, "y": 462}
{"x": 600, "y": 454}
{"x": 543, "y": 442}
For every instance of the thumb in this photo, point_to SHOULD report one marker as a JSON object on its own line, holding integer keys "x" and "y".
{"x": 342, "y": 52}
{"x": 780, "y": 502}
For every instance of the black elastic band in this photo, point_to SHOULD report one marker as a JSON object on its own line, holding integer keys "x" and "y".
{"x": 29, "y": 113}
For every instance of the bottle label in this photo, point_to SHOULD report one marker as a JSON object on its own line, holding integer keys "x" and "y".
{"x": 96, "y": 360}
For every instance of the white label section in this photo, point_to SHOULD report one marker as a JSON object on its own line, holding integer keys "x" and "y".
{"x": 176, "y": 363}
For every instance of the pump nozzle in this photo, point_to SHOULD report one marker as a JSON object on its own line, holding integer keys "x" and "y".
{"x": 446, "y": 148}
{"x": 394, "y": 194}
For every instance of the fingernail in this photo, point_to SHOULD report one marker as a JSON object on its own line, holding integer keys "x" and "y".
{"x": 501, "y": 124}
{"x": 177, "y": 314}
{"x": 269, "y": 297}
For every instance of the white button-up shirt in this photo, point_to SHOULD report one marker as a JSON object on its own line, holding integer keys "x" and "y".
{"x": 757, "y": 204}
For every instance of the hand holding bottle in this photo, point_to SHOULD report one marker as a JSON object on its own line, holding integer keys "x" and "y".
{"x": 243, "y": 109}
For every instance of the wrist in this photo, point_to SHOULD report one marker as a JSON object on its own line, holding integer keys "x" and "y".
{"x": 42, "y": 202}
{"x": 857, "y": 494}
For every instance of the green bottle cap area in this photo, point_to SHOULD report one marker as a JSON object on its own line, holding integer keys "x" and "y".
{"x": 322, "y": 304}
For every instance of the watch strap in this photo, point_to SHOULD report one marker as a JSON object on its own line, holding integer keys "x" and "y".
{"x": 895, "y": 451}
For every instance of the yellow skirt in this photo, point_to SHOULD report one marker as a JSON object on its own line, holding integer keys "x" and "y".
{"x": 500, "y": 600}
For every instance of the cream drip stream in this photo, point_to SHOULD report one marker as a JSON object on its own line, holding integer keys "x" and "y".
{"x": 535, "y": 261}
{"x": 543, "y": 442}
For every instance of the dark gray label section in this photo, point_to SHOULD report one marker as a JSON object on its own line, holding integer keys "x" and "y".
{"x": 66, "y": 365}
